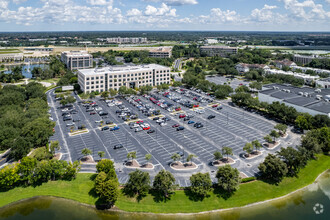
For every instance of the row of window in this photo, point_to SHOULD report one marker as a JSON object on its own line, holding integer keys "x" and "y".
{"x": 124, "y": 75}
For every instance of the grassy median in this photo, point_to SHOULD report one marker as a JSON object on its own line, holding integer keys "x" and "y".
{"x": 79, "y": 190}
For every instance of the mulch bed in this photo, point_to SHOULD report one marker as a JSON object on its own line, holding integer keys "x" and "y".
{"x": 253, "y": 154}
{"x": 183, "y": 166}
{"x": 223, "y": 162}
{"x": 87, "y": 159}
{"x": 135, "y": 164}
{"x": 271, "y": 145}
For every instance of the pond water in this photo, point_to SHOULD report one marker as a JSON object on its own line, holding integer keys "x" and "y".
{"x": 26, "y": 69}
{"x": 297, "y": 206}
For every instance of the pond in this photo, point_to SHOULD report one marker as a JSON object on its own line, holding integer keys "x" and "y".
{"x": 310, "y": 203}
{"x": 26, "y": 69}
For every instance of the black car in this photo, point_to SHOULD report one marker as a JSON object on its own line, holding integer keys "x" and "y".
{"x": 196, "y": 124}
{"x": 155, "y": 118}
{"x": 118, "y": 146}
{"x": 180, "y": 128}
{"x": 109, "y": 122}
{"x": 211, "y": 116}
{"x": 151, "y": 131}
{"x": 118, "y": 111}
{"x": 103, "y": 113}
{"x": 67, "y": 119}
{"x": 65, "y": 113}
{"x": 219, "y": 108}
{"x": 74, "y": 112}
{"x": 105, "y": 128}
{"x": 186, "y": 119}
{"x": 89, "y": 110}
{"x": 199, "y": 126}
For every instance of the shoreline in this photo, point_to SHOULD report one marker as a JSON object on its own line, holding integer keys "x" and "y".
{"x": 116, "y": 209}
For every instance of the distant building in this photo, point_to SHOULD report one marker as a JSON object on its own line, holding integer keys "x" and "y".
{"x": 323, "y": 83}
{"x": 284, "y": 63}
{"x": 222, "y": 51}
{"x": 75, "y": 60}
{"x": 127, "y": 40}
{"x": 316, "y": 70}
{"x": 11, "y": 57}
{"x": 211, "y": 41}
{"x": 303, "y": 59}
{"x": 46, "y": 49}
{"x": 161, "y": 52}
{"x": 305, "y": 99}
{"x": 244, "y": 68}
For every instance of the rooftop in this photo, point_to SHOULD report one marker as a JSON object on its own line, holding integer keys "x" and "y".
{"x": 122, "y": 69}
{"x": 161, "y": 49}
{"x": 307, "y": 97}
{"x": 76, "y": 53}
{"x": 220, "y": 47}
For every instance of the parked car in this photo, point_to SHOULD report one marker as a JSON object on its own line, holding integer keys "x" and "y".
{"x": 109, "y": 122}
{"x": 92, "y": 113}
{"x": 67, "y": 118}
{"x": 180, "y": 128}
{"x": 190, "y": 122}
{"x": 151, "y": 131}
{"x": 175, "y": 125}
{"x": 118, "y": 146}
{"x": 182, "y": 116}
{"x": 219, "y": 108}
{"x": 138, "y": 129}
{"x": 114, "y": 128}
{"x": 70, "y": 124}
{"x": 211, "y": 116}
{"x": 105, "y": 128}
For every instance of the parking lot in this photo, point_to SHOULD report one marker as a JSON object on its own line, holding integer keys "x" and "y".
{"x": 221, "y": 80}
{"x": 231, "y": 127}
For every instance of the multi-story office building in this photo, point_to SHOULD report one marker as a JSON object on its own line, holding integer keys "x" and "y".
{"x": 222, "y": 51}
{"x": 127, "y": 40}
{"x": 113, "y": 77}
{"x": 75, "y": 60}
{"x": 161, "y": 52}
{"x": 11, "y": 57}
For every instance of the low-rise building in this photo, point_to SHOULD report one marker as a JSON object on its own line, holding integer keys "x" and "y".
{"x": 316, "y": 70}
{"x": 284, "y": 63}
{"x": 75, "y": 60}
{"x": 305, "y": 99}
{"x": 323, "y": 83}
{"x": 41, "y": 49}
{"x": 161, "y": 52}
{"x": 244, "y": 67}
{"x": 11, "y": 57}
{"x": 304, "y": 59}
{"x": 127, "y": 40}
{"x": 222, "y": 51}
{"x": 307, "y": 78}
{"x": 113, "y": 77}
{"x": 211, "y": 41}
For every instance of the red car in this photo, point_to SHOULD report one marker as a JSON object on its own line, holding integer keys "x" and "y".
{"x": 195, "y": 98}
{"x": 182, "y": 116}
{"x": 214, "y": 106}
{"x": 175, "y": 126}
{"x": 92, "y": 113}
{"x": 146, "y": 128}
{"x": 196, "y": 106}
{"x": 178, "y": 109}
{"x": 139, "y": 122}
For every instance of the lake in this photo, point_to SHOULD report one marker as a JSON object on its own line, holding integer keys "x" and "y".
{"x": 296, "y": 206}
{"x": 26, "y": 69}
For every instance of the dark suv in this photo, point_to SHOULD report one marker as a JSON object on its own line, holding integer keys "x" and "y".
{"x": 118, "y": 146}
{"x": 210, "y": 117}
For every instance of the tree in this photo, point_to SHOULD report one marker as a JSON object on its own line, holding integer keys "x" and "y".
{"x": 9, "y": 177}
{"x": 131, "y": 155}
{"x": 86, "y": 152}
{"x": 164, "y": 183}
{"x": 302, "y": 123}
{"x": 54, "y": 145}
{"x": 275, "y": 135}
{"x": 268, "y": 138}
{"x": 281, "y": 128}
{"x": 112, "y": 92}
{"x": 25, "y": 169}
{"x": 228, "y": 178}
{"x": 217, "y": 155}
{"x": 106, "y": 188}
{"x": 227, "y": 151}
{"x": 101, "y": 154}
{"x": 190, "y": 157}
{"x": 70, "y": 99}
{"x": 105, "y": 166}
{"x": 148, "y": 157}
{"x": 294, "y": 159}
{"x": 92, "y": 95}
{"x": 255, "y": 85}
{"x": 175, "y": 157}
{"x": 248, "y": 148}
{"x": 273, "y": 168}
{"x": 177, "y": 84}
{"x": 122, "y": 90}
{"x": 138, "y": 183}
{"x": 256, "y": 144}
{"x": 201, "y": 184}
{"x": 105, "y": 94}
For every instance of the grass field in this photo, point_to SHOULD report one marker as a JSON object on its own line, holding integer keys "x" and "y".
{"x": 248, "y": 193}
{"x": 6, "y": 51}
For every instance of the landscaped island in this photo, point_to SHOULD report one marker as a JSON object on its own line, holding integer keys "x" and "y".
{"x": 257, "y": 191}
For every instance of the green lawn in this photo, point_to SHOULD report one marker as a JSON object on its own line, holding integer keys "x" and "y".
{"x": 79, "y": 189}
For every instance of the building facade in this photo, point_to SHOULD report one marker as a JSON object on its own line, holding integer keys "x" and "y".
{"x": 244, "y": 68}
{"x": 303, "y": 59}
{"x": 11, "y": 57}
{"x": 103, "y": 79}
{"x": 323, "y": 83}
{"x": 308, "y": 79}
{"x": 75, "y": 60}
{"x": 161, "y": 52}
{"x": 284, "y": 63}
{"x": 127, "y": 40}
{"x": 222, "y": 51}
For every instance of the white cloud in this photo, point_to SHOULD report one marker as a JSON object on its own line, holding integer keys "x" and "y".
{"x": 175, "y": 2}
{"x": 100, "y": 2}
{"x": 266, "y": 14}
{"x": 3, "y": 4}
{"x": 134, "y": 12}
{"x": 19, "y": 1}
{"x": 164, "y": 10}
{"x": 218, "y": 16}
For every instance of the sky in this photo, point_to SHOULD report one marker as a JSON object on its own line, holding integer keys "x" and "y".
{"x": 162, "y": 15}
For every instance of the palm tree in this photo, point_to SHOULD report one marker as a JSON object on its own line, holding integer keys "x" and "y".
{"x": 148, "y": 157}
{"x": 190, "y": 157}
{"x": 175, "y": 157}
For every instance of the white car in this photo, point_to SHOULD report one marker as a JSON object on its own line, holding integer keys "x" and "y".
{"x": 160, "y": 120}
{"x": 138, "y": 129}
{"x": 98, "y": 109}
{"x": 65, "y": 110}
{"x": 163, "y": 124}
{"x": 70, "y": 124}
{"x": 111, "y": 104}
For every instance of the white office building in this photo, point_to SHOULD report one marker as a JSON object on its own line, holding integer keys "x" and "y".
{"x": 160, "y": 52}
{"x": 75, "y": 60}
{"x": 113, "y": 77}
{"x": 307, "y": 78}
{"x": 127, "y": 40}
